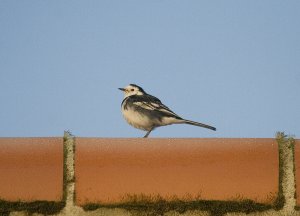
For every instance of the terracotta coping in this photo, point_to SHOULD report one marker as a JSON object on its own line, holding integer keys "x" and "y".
{"x": 31, "y": 169}
{"x": 107, "y": 170}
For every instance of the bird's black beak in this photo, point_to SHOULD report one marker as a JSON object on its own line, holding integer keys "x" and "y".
{"x": 122, "y": 89}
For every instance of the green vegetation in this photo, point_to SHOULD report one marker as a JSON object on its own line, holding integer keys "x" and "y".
{"x": 157, "y": 206}
{"x": 42, "y": 207}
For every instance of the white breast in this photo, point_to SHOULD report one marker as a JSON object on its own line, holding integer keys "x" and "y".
{"x": 137, "y": 120}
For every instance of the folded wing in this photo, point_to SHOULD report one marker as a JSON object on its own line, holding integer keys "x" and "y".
{"x": 150, "y": 102}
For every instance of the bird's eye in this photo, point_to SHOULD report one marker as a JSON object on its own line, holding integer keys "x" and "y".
{"x": 132, "y": 89}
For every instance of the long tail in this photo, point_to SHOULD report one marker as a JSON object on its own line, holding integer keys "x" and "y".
{"x": 198, "y": 124}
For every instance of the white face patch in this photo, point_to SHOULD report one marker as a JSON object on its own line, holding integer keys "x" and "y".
{"x": 132, "y": 90}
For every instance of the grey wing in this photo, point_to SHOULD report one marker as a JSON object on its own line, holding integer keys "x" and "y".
{"x": 150, "y": 102}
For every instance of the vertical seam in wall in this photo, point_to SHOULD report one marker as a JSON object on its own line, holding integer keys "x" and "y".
{"x": 281, "y": 198}
{"x": 286, "y": 196}
{"x": 69, "y": 169}
{"x": 292, "y": 143}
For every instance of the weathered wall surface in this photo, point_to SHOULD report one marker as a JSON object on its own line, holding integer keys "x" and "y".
{"x": 96, "y": 176}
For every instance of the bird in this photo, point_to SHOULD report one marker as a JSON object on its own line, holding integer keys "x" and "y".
{"x": 146, "y": 112}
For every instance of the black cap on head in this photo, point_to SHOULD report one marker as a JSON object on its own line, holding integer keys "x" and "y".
{"x": 140, "y": 88}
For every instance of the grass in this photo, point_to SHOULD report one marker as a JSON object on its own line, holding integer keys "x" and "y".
{"x": 157, "y": 206}
{"x": 42, "y": 207}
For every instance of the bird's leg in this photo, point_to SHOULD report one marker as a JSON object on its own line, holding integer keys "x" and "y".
{"x": 147, "y": 134}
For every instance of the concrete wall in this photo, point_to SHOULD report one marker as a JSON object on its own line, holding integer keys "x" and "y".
{"x": 96, "y": 176}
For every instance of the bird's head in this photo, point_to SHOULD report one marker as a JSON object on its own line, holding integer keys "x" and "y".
{"x": 132, "y": 89}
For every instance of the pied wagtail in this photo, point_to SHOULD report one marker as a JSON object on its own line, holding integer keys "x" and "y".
{"x": 146, "y": 112}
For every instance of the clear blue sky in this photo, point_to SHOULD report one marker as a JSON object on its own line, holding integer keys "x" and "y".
{"x": 232, "y": 64}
